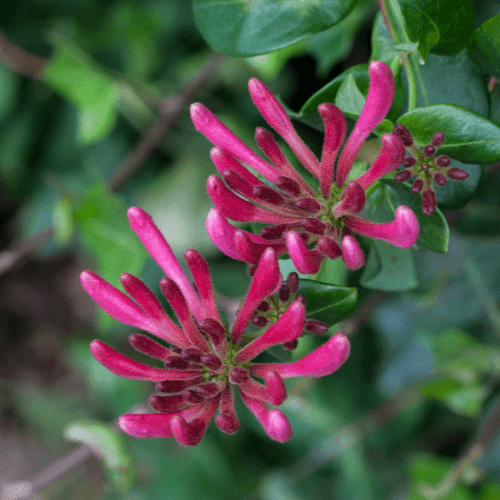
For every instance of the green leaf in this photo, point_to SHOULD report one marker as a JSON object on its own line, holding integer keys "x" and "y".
{"x": 242, "y": 28}
{"x": 75, "y": 77}
{"x": 349, "y": 98}
{"x": 442, "y": 27}
{"x": 467, "y": 401}
{"x": 440, "y": 389}
{"x": 327, "y": 303}
{"x": 484, "y": 46}
{"x": 470, "y": 138}
{"x": 108, "y": 444}
{"x": 63, "y": 220}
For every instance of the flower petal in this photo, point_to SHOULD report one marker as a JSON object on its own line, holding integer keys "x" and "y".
{"x": 274, "y": 392}
{"x": 224, "y": 160}
{"x": 321, "y": 362}
{"x": 402, "y": 232}
{"x": 352, "y": 255}
{"x": 146, "y": 425}
{"x": 352, "y": 200}
{"x": 306, "y": 261}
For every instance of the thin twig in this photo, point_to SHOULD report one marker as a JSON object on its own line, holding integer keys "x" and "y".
{"x": 19, "y": 60}
{"x": 170, "y": 110}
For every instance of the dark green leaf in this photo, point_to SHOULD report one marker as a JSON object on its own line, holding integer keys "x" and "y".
{"x": 327, "y": 303}
{"x": 383, "y": 48}
{"x": 470, "y": 138}
{"x": 485, "y": 46}
{"x": 241, "y": 28}
{"x": 495, "y": 105}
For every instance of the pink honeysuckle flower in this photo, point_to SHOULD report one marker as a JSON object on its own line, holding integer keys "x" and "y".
{"x": 203, "y": 361}
{"x": 298, "y": 216}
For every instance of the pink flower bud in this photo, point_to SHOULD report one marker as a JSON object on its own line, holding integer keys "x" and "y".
{"x": 437, "y": 139}
{"x": 457, "y": 174}
{"x": 440, "y": 179}
{"x": 443, "y": 161}
{"x": 417, "y": 186}
{"x": 293, "y": 282}
{"x": 429, "y": 202}
{"x": 403, "y": 175}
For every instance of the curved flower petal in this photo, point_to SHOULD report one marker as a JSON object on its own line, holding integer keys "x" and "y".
{"x": 227, "y": 421}
{"x": 274, "y": 113}
{"x": 391, "y": 156}
{"x": 156, "y": 245}
{"x": 352, "y": 255}
{"x": 306, "y": 261}
{"x": 287, "y": 328}
{"x": 274, "y": 422}
{"x": 167, "y": 404}
{"x": 146, "y": 425}
{"x": 377, "y": 105}
{"x": 274, "y": 392}
{"x": 223, "y": 160}
{"x": 322, "y": 361}
{"x": 219, "y": 135}
{"x": 402, "y": 232}
{"x": 264, "y": 283}
{"x": 124, "y": 366}
{"x": 351, "y": 201}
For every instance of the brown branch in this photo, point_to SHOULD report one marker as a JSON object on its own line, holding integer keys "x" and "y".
{"x": 19, "y": 60}
{"x": 170, "y": 110}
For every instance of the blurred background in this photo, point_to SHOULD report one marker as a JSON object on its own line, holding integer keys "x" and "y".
{"x": 81, "y": 85}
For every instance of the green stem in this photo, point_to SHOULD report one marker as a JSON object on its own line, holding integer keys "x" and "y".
{"x": 412, "y": 84}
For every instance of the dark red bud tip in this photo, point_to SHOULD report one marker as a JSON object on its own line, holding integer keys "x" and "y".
{"x": 264, "y": 306}
{"x": 273, "y": 232}
{"x": 440, "y": 179}
{"x": 251, "y": 269}
{"x": 268, "y": 195}
{"x": 284, "y": 293}
{"x": 293, "y": 282}
{"x": 314, "y": 226}
{"x": 176, "y": 362}
{"x": 429, "y": 202}
{"x": 443, "y": 161}
{"x": 403, "y": 175}
{"x": 288, "y": 186}
{"x": 290, "y": 346}
{"x": 437, "y": 139}
{"x": 208, "y": 390}
{"x": 417, "y": 186}
{"x": 147, "y": 346}
{"x": 192, "y": 397}
{"x": 211, "y": 361}
{"x": 259, "y": 321}
{"x": 457, "y": 174}
{"x": 192, "y": 354}
{"x": 315, "y": 327}
{"x": 173, "y": 386}
{"x": 175, "y": 349}
{"x": 309, "y": 205}
{"x": 401, "y": 131}
{"x": 227, "y": 422}
{"x": 213, "y": 329}
{"x": 301, "y": 299}
{"x": 428, "y": 150}
{"x": 238, "y": 375}
{"x": 409, "y": 161}
{"x": 329, "y": 248}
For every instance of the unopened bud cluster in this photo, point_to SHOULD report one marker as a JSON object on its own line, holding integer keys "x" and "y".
{"x": 425, "y": 165}
{"x": 271, "y": 309}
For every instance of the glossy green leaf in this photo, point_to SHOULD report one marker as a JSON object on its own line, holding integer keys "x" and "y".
{"x": 63, "y": 220}
{"x": 327, "y": 303}
{"x": 241, "y": 28}
{"x": 470, "y": 138}
{"x": 108, "y": 444}
{"x": 484, "y": 46}
{"x": 442, "y": 27}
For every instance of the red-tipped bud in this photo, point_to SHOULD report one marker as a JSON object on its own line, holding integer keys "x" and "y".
{"x": 173, "y": 386}
{"x": 440, "y": 179}
{"x": 403, "y": 175}
{"x": 293, "y": 282}
{"x": 192, "y": 397}
{"x": 213, "y": 329}
{"x": 404, "y": 134}
{"x": 329, "y": 248}
{"x": 192, "y": 354}
{"x": 166, "y": 404}
{"x": 273, "y": 232}
{"x": 409, "y": 161}
{"x": 309, "y": 205}
{"x": 259, "y": 321}
{"x": 437, "y": 139}
{"x": 264, "y": 306}
{"x": 251, "y": 269}
{"x": 284, "y": 293}
{"x": 314, "y": 226}
{"x": 417, "y": 186}
{"x": 290, "y": 346}
{"x": 288, "y": 186}
{"x": 147, "y": 346}
{"x": 443, "y": 161}
{"x": 227, "y": 422}
{"x": 428, "y": 150}
{"x": 238, "y": 375}
{"x": 176, "y": 362}
{"x": 208, "y": 390}
{"x": 457, "y": 174}
{"x": 429, "y": 202}
{"x": 211, "y": 361}
{"x": 175, "y": 349}
{"x": 353, "y": 197}
{"x": 268, "y": 195}
{"x": 301, "y": 299}
{"x": 315, "y": 327}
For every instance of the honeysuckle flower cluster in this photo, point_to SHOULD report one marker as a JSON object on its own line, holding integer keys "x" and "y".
{"x": 299, "y": 217}
{"x": 203, "y": 360}
{"x": 424, "y": 164}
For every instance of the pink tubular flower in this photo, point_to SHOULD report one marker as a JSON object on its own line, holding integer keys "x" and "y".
{"x": 298, "y": 216}
{"x": 203, "y": 361}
